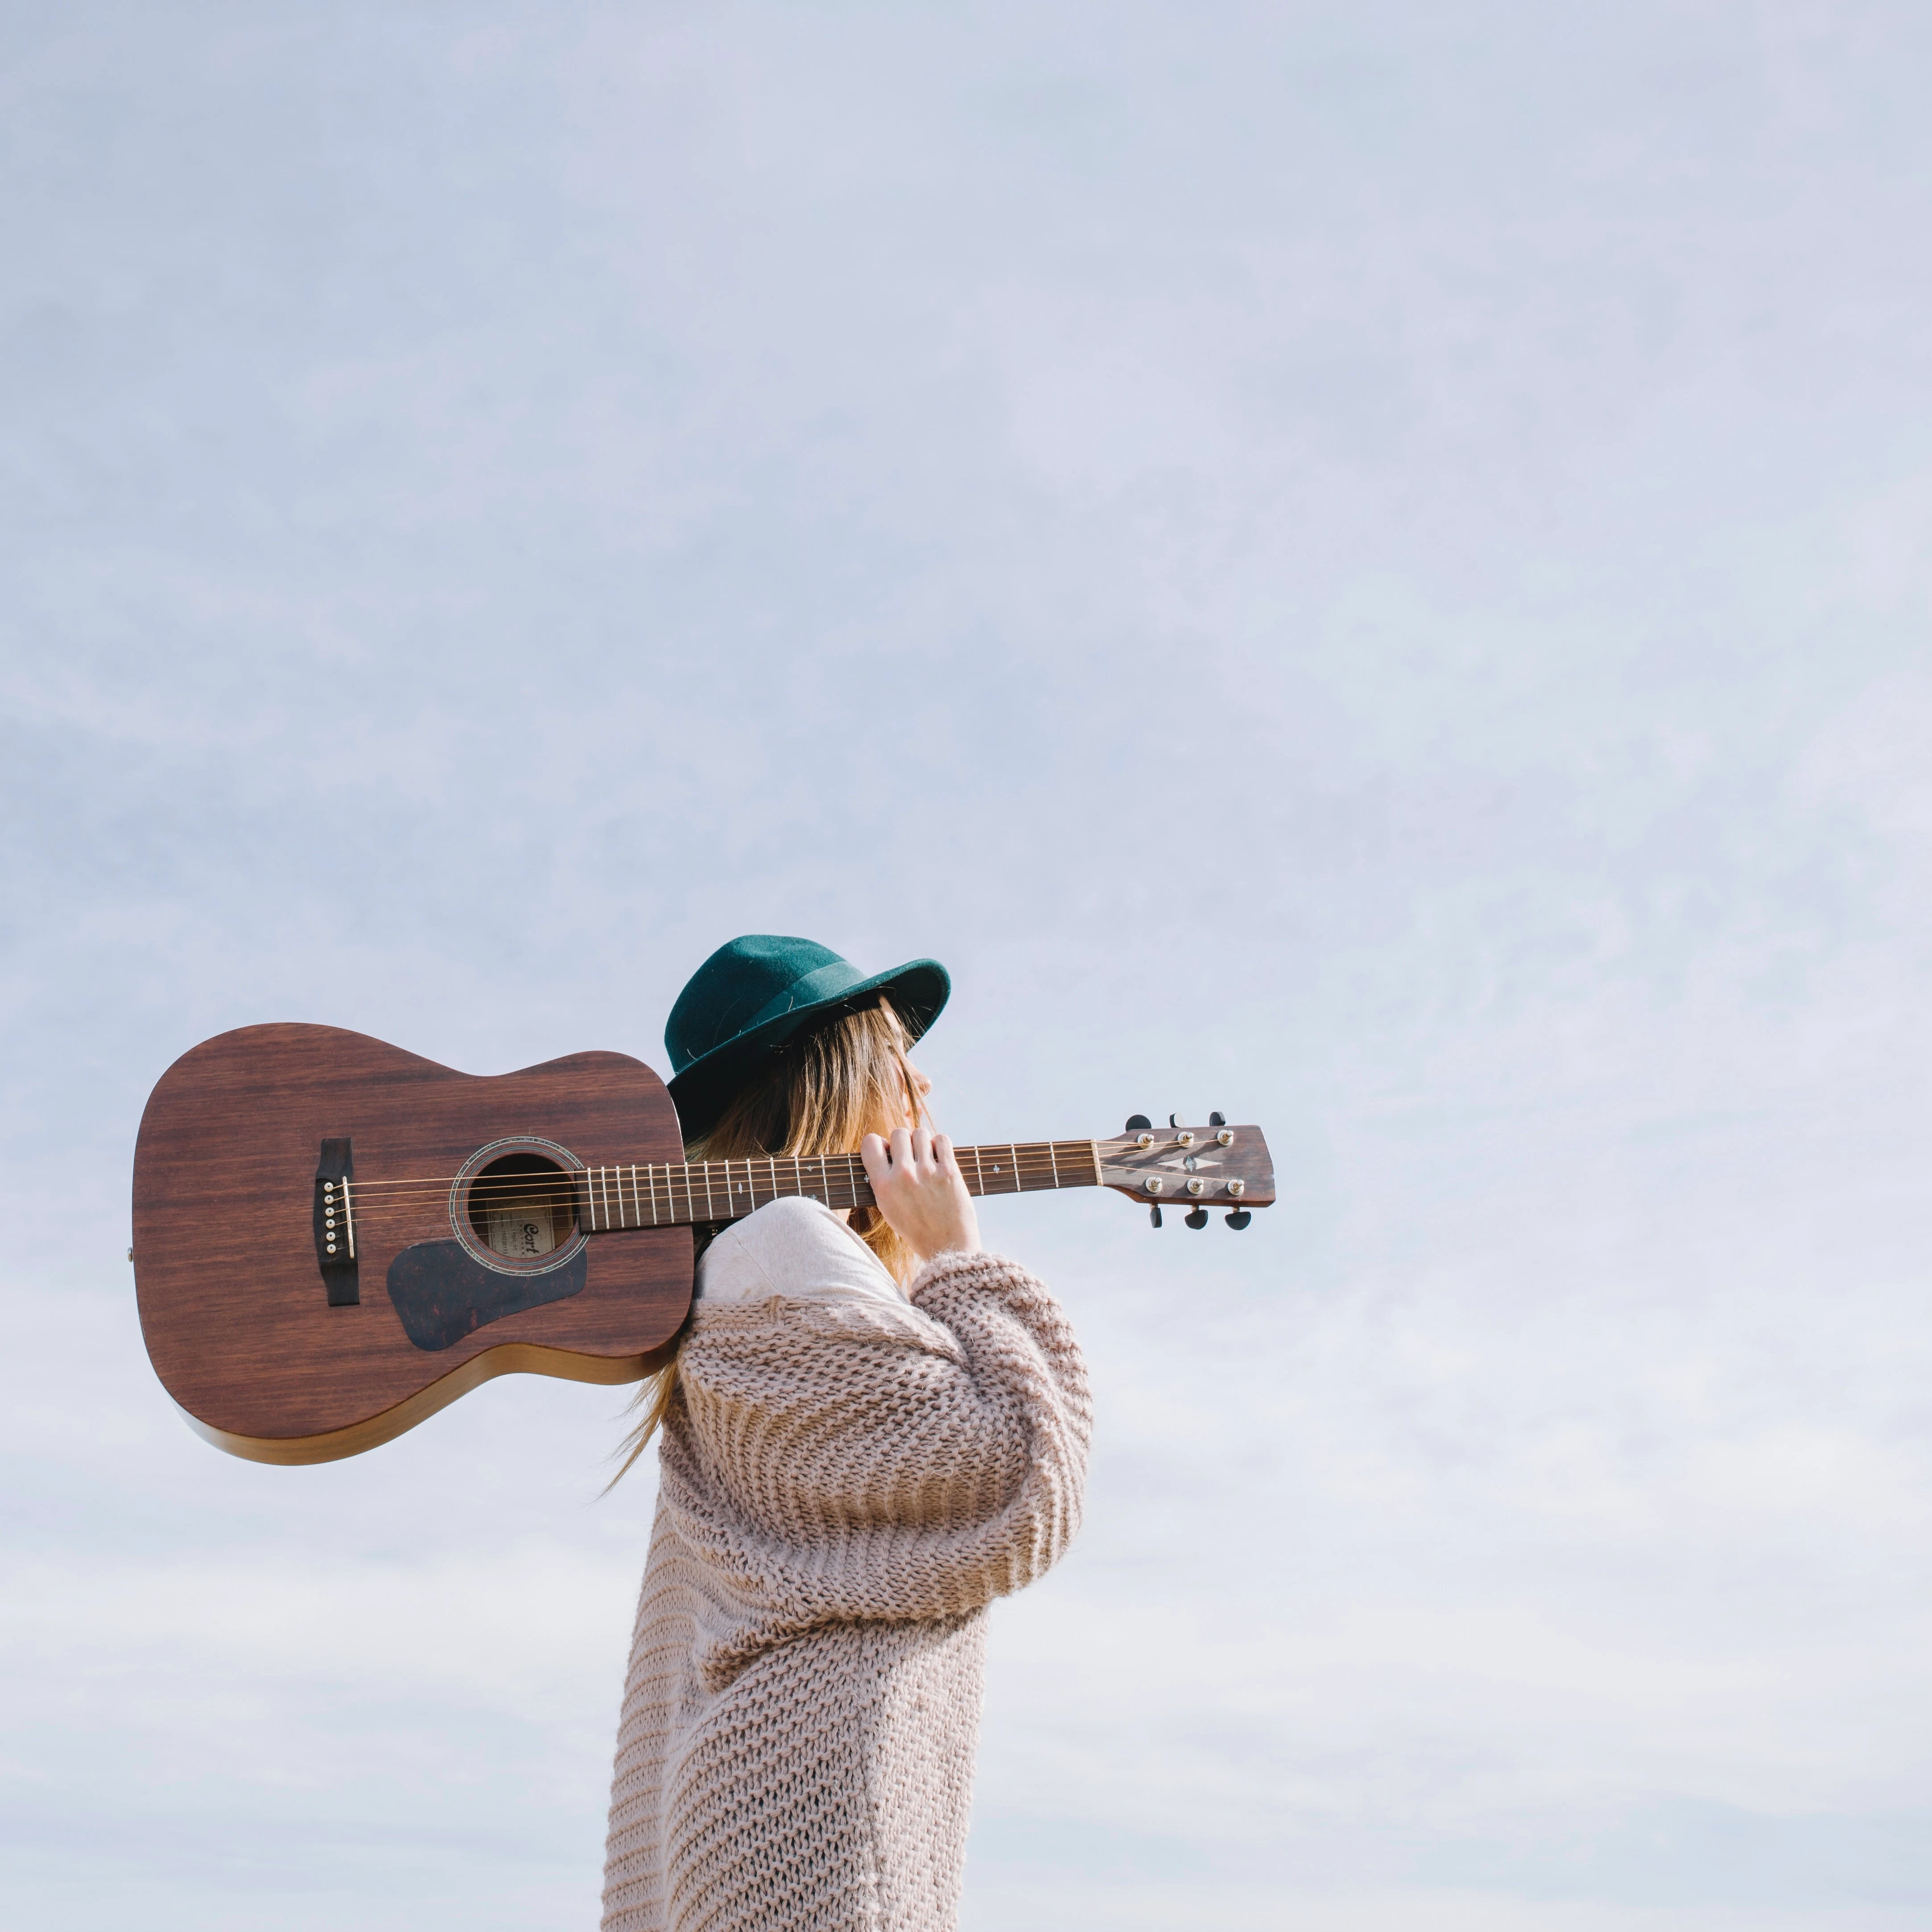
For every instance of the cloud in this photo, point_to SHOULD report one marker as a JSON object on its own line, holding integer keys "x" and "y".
{"x": 1352, "y": 567}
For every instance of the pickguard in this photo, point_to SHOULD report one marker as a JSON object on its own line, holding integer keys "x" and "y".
{"x": 443, "y": 1294}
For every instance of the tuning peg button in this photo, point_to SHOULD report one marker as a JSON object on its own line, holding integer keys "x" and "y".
{"x": 1136, "y": 1121}
{"x": 1153, "y": 1214}
{"x": 1217, "y": 1119}
{"x": 1198, "y": 1219}
{"x": 1238, "y": 1220}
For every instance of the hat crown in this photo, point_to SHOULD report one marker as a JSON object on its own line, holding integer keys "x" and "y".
{"x": 747, "y": 979}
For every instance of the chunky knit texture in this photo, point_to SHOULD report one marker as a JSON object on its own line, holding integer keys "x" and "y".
{"x": 843, "y": 1490}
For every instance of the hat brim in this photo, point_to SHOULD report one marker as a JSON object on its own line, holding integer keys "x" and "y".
{"x": 918, "y": 990}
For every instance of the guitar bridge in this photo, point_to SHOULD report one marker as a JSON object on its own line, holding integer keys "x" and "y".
{"x": 335, "y": 1224}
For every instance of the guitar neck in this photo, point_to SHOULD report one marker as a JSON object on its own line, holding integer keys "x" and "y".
{"x": 609, "y": 1199}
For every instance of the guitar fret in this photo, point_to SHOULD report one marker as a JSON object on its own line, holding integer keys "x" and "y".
{"x": 839, "y": 1181}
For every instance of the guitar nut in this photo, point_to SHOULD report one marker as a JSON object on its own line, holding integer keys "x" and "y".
{"x": 1155, "y": 1183}
{"x": 1184, "y": 1138}
{"x": 1226, "y": 1137}
{"x": 1194, "y": 1185}
{"x": 1238, "y": 1187}
{"x": 1143, "y": 1140}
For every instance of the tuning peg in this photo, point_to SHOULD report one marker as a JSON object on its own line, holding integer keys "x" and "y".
{"x": 1136, "y": 1121}
{"x": 1239, "y": 1219}
{"x": 1175, "y": 1120}
{"x": 1217, "y": 1119}
{"x": 1198, "y": 1219}
{"x": 1153, "y": 1214}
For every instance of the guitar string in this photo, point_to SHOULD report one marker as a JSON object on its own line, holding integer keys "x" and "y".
{"x": 1027, "y": 1166}
{"x": 759, "y": 1189}
{"x": 1040, "y": 1167}
{"x": 667, "y": 1213}
{"x": 1011, "y": 1152}
{"x": 1038, "y": 1170}
{"x": 630, "y": 1214}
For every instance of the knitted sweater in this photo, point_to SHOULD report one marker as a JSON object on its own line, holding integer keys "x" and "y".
{"x": 845, "y": 1486}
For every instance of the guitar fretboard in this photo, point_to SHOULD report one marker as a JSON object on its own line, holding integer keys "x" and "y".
{"x": 641, "y": 1196}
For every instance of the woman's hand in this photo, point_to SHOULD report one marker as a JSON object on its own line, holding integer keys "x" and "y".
{"x": 915, "y": 1181}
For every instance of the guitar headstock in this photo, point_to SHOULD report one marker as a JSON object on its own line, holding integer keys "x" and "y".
{"x": 1196, "y": 1167}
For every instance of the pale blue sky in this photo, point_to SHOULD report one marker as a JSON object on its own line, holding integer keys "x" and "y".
{"x": 1366, "y": 565}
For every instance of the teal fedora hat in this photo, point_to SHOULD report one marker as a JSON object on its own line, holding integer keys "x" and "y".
{"x": 757, "y": 992}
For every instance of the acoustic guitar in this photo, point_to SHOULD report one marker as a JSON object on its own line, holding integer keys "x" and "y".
{"x": 333, "y": 1239}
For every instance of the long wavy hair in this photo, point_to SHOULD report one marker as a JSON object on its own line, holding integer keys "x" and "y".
{"x": 823, "y": 1094}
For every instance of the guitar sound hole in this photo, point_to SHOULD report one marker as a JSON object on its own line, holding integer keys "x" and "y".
{"x": 522, "y": 1207}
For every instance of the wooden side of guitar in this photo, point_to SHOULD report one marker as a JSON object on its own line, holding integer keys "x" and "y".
{"x": 233, "y": 1307}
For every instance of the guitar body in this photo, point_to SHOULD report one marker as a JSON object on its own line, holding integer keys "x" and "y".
{"x": 281, "y": 1347}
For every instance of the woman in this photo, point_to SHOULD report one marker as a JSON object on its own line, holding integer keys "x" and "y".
{"x": 871, "y": 1429}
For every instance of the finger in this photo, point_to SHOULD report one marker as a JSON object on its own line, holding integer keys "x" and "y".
{"x": 872, "y": 1152}
{"x": 942, "y": 1153}
{"x": 922, "y": 1148}
{"x": 902, "y": 1146}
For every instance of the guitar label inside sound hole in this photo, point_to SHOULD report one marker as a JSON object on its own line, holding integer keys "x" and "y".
{"x": 522, "y": 1207}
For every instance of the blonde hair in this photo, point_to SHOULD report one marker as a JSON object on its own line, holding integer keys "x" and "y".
{"x": 823, "y": 1094}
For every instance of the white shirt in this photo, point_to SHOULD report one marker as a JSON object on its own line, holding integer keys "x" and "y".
{"x": 795, "y": 1246}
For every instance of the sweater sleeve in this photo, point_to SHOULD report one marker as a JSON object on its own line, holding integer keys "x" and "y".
{"x": 830, "y": 1464}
